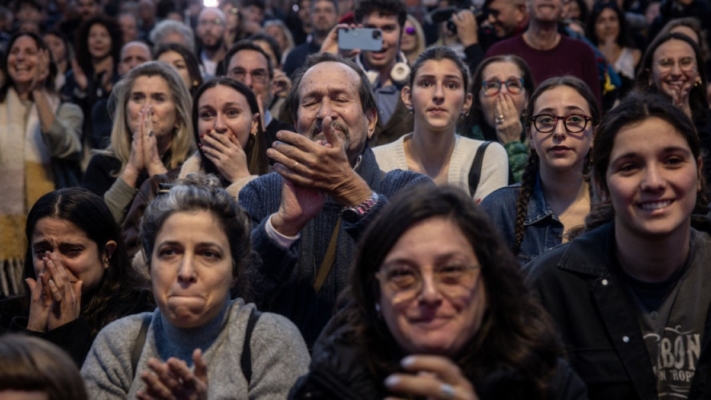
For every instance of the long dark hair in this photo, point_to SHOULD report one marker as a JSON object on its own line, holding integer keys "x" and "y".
{"x": 116, "y": 294}
{"x": 191, "y": 62}
{"x": 623, "y": 38}
{"x": 531, "y": 172}
{"x": 698, "y": 103}
{"x": 256, "y": 148}
{"x": 476, "y": 114}
{"x": 635, "y": 108}
{"x": 515, "y": 334}
{"x": 41, "y": 45}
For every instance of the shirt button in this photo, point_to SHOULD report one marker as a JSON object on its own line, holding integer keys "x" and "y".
{"x": 654, "y": 315}
{"x": 604, "y": 282}
{"x": 626, "y": 339}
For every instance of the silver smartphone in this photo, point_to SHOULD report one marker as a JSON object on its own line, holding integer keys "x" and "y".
{"x": 365, "y": 39}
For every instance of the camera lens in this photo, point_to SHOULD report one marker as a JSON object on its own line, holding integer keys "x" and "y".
{"x": 376, "y": 34}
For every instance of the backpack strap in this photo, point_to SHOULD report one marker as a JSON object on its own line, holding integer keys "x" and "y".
{"x": 475, "y": 170}
{"x": 246, "y": 359}
{"x": 140, "y": 342}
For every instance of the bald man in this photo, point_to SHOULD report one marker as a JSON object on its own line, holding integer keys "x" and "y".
{"x": 133, "y": 54}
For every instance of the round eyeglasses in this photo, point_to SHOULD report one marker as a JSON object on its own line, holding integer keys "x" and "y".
{"x": 407, "y": 281}
{"x": 574, "y": 123}
{"x": 493, "y": 87}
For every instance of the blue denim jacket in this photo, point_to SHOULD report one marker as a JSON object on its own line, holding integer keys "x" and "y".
{"x": 542, "y": 231}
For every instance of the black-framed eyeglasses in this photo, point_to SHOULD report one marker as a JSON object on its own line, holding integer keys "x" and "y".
{"x": 258, "y": 75}
{"x": 574, "y": 123}
{"x": 493, "y": 87}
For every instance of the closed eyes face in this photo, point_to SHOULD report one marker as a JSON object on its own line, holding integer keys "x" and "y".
{"x": 652, "y": 179}
{"x": 227, "y": 112}
{"x": 191, "y": 269}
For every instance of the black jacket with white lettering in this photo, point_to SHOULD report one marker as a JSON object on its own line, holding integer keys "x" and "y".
{"x": 596, "y": 320}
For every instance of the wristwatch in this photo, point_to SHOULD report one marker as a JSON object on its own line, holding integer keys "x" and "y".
{"x": 353, "y": 214}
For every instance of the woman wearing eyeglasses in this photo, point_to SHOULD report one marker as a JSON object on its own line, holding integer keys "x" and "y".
{"x": 437, "y": 96}
{"x": 673, "y": 67}
{"x": 437, "y": 309}
{"x": 553, "y": 197}
{"x": 503, "y": 85}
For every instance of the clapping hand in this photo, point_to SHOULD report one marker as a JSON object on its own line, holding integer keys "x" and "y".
{"x": 173, "y": 380}
{"x": 436, "y": 378}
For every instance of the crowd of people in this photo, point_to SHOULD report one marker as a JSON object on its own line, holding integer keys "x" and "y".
{"x": 507, "y": 200}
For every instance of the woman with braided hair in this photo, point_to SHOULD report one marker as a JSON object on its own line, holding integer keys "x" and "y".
{"x": 553, "y": 196}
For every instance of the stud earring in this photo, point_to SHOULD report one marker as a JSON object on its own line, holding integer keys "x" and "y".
{"x": 377, "y": 308}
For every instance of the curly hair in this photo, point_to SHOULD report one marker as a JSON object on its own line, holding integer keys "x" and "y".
{"x": 515, "y": 334}
{"x": 532, "y": 170}
{"x": 81, "y": 47}
{"x": 117, "y": 293}
{"x": 200, "y": 192}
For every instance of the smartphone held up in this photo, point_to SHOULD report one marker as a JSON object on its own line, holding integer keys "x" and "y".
{"x": 364, "y": 39}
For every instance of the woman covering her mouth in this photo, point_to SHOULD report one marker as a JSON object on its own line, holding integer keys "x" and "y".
{"x": 630, "y": 296}
{"x": 553, "y": 197}
{"x": 438, "y": 97}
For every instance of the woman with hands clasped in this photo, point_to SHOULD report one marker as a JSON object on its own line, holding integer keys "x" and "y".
{"x": 438, "y": 97}
{"x": 437, "y": 308}
{"x": 77, "y": 273}
{"x": 502, "y": 86}
{"x": 151, "y": 135}
{"x": 197, "y": 241}
{"x": 231, "y": 146}
{"x": 37, "y": 132}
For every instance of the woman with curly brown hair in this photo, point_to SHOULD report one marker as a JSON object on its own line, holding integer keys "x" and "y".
{"x": 553, "y": 197}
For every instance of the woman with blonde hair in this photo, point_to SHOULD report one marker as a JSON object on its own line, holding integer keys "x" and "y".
{"x": 152, "y": 134}
{"x": 413, "y": 39}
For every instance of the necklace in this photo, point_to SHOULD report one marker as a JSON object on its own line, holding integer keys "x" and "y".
{"x": 580, "y": 197}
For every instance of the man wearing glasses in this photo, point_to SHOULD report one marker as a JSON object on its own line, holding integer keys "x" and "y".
{"x": 210, "y": 32}
{"x": 248, "y": 63}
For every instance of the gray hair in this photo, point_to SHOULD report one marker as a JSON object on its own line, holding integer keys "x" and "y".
{"x": 168, "y": 26}
{"x": 200, "y": 192}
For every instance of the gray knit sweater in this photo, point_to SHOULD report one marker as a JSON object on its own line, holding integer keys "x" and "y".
{"x": 279, "y": 355}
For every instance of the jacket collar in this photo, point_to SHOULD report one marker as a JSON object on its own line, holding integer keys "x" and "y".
{"x": 590, "y": 253}
{"x": 538, "y": 208}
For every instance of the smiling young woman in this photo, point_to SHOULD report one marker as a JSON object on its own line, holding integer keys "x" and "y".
{"x": 630, "y": 295}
